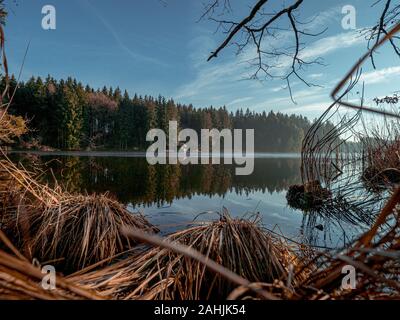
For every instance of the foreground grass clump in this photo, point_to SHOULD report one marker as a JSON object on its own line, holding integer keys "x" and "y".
{"x": 68, "y": 231}
{"x": 239, "y": 245}
{"x": 22, "y": 280}
{"x": 82, "y": 230}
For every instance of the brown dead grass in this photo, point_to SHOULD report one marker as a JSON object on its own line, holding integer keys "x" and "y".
{"x": 70, "y": 231}
{"x": 239, "y": 245}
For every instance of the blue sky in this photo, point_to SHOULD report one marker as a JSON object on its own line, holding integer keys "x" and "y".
{"x": 158, "y": 47}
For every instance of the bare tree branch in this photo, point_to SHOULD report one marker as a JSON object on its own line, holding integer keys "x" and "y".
{"x": 389, "y": 17}
{"x": 259, "y": 26}
{"x": 239, "y": 26}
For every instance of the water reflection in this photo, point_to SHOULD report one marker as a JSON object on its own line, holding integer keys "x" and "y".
{"x": 135, "y": 182}
{"x": 173, "y": 195}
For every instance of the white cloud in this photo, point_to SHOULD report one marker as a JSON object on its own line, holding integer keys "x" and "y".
{"x": 316, "y": 75}
{"x": 208, "y": 78}
{"x": 322, "y": 19}
{"x": 285, "y": 104}
{"x": 313, "y": 107}
{"x": 331, "y": 44}
{"x": 378, "y": 76}
{"x": 278, "y": 89}
{"x": 310, "y": 92}
{"x": 239, "y": 100}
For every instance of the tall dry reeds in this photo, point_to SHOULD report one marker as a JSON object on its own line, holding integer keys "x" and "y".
{"x": 381, "y": 166}
{"x": 374, "y": 256}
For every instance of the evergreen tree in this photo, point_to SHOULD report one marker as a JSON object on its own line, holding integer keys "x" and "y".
{"x": 68, "y": 115}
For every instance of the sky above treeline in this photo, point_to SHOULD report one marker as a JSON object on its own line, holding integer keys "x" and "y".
{"x": 160, "y": 47}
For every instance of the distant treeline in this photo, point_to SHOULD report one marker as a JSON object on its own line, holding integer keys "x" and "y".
{"x": 68, "y": 115}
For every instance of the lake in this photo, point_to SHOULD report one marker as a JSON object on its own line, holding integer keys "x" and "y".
{"x": 172, "y": 196}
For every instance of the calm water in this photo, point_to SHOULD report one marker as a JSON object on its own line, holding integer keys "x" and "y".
{"x": 171, "y": 196}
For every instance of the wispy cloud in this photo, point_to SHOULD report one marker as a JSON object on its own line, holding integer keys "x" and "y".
{"x": 322, "y": 19}
{"x": 236, "y": 69}
{"x": 328, "y": 45}
{"x": 305, "y": 97}
{"x": 207, "y": 78}
{"x": 239, "y": 101}
{"x": 379, "y": 76}
{"x": 316, "y": 75}
{"x": 134, "y": 55}
{"x": 277, "y": 89}
{"x": 313, "y": 107}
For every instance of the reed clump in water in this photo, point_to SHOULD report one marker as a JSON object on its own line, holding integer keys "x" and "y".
{"x": 308, "y": 197}
{"x": 375, "y": 257}
{"x": 239, "y": 245}
{"x": 382, "y": 164}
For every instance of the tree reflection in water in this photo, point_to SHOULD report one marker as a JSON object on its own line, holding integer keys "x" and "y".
{"x": 195, "y": 188}
{"x": 134, "y": 181}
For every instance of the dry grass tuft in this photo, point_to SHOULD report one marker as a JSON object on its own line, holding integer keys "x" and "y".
{"x": 82, "y": 230}
{"x": 239, "y": 245}
{"x": 71, "y": 231}
{"x": 21, "y": 280}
